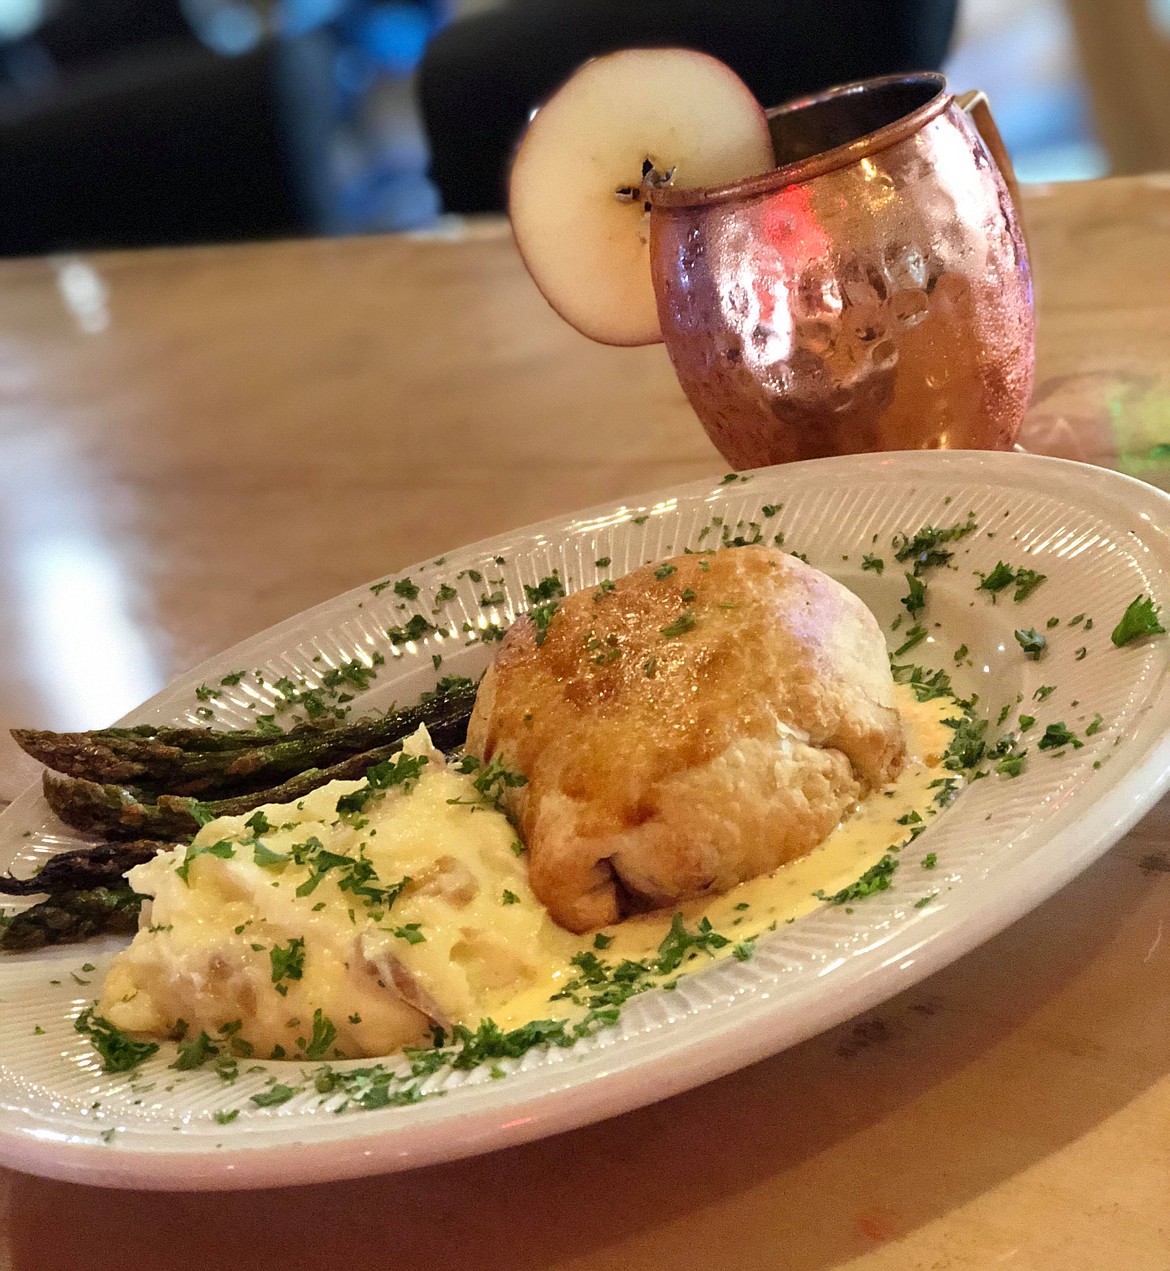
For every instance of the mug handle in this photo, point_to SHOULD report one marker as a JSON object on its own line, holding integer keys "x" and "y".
{"x": 975, "y": 104}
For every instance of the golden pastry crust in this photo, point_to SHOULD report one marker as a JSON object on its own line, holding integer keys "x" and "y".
{"x": 705, "y": 721}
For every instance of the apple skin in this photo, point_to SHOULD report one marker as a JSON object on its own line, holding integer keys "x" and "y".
{"x": 586, "y": 248}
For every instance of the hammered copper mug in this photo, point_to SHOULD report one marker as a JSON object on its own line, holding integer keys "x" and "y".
{"x": 871, "y": 293}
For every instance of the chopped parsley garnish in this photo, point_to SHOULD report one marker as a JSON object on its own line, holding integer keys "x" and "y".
{"x": 445, "y": 593}
{"x": 925, "y": 548}
{"x": 194, "y": 1052}
{"x": 914, "y": 636}
{"x": 968, "y": 746}
{"x": 230, "y": 681}
{"x": 679, "y": 943}
{"x": 205, "y": 694}
{"x": 415, "y": 629}
{"x": 491, "y": 780}
{"x": 275, "y": 1095}
{"x": 258, "y": 823}
{"x": 1140, "y": 619}
{"x": 119, "y": 1051}
{"x": 1025, "y": 581}
{"x": 544, "y": 599}
{"x": 202, "y": 814}
{"x": 266, "y": 858}
{"x": 915, "y": 600}
{"x": 225, "y": 1116}
{"x": 929, "y": 861}
{"x": 602, "y": 941}
{"x": 603, "y": 563}
{"x": 1011, "y": 765}
{"x": 223, "y": 850}
{"x": 1044, "y": 691}
{"x": 288, "y": 962}
{"x": 549, "y": 588}
{"x": 680, "y": 626}
{"x": 1026, "y": 722}
{"x": 1057, "y": 735}
{"x": 1095, "y": 727}
{"x": 402, "y": 770}
{"x": 1000, "y": 577}
{"x": 602, "y": 652}
{"x": 411, "y": 933}
{"x": 770, "y": 509}
{"x": 874, "y": 564}
{"x": 664, "y": 571}
{"x": 406, "y": 589}
{"x": 1031, "y": 641}
{"x": 926, "y": 685}
{"x": 877, "y": 878}
{"x": 324, "y": 1035}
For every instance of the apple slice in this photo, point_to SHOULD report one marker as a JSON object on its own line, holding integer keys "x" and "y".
{"x": 577, "y": 192}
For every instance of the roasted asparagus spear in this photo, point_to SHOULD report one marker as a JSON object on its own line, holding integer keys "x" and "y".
{"x": 175, "y": 761}
{"x": 72, "y": 916}
{"x": 82, "y": 869}
{"x": 123, "y": 812}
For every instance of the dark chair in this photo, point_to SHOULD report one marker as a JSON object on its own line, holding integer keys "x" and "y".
{"x": 481, "y": 77}
{"x": 170, "y": 145}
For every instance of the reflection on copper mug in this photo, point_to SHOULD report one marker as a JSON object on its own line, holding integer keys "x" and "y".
{"x": 871, "y": 293}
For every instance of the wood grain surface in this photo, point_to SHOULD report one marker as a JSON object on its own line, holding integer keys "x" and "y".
{"x": 195, "y": 444}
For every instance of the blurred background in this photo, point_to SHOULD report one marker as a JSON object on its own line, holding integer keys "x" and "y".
{"x": 127, "y": 123}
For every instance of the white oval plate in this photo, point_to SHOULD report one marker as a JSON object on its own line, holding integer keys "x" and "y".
{"x": 1004, "y": 846}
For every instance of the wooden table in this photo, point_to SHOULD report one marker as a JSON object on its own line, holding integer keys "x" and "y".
{"x": 195, "y": 444}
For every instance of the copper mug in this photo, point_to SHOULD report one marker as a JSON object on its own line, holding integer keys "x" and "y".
{"x": 870, "y": 293}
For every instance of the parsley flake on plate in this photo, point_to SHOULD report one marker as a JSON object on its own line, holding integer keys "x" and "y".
{"x": 415, "y": 629}
{"x": 914, "y": 637}
{"x": 926, "y": 549}
{"x": 915, "y": 599}
{"x": 1058, "y": 735}
{"x": 1031, "y": 641}
{"x": 119, "y": 1051}
{"x": 1140, "y": 619}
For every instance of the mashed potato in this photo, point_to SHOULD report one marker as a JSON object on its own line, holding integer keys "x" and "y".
{"x": 346, "y": 924}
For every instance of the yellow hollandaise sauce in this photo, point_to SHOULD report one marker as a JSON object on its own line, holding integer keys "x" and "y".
{"x": 366, "y": 915}
{"x": 880, "y": 824}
